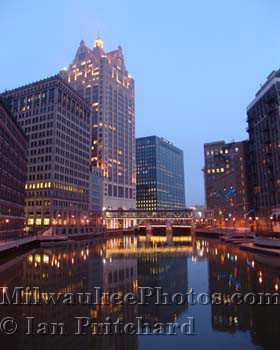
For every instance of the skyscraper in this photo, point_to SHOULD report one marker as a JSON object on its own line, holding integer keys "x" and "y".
{"x": 57, "y": 122}
{"x": 13, "y": 166}
{"x": 160, "y": 174}
{"x": 102, "y": 79}
{"x": 225, "y": 179}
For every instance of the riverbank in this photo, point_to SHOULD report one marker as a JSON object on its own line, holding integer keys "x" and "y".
{"x": 251, "y": 247}
{"x": 245, "y": 240}
{"x": 27, "y": 243}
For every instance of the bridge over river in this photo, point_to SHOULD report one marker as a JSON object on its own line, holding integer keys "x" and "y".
{"x": 164, "y": 223}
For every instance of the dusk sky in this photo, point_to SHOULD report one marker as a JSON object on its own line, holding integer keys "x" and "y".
{"x": 196, "y": 64}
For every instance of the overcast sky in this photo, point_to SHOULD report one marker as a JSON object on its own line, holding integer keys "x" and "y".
{"x": 196, "y": 64}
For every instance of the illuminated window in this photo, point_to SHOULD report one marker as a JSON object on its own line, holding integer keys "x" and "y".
{"x": 38, "y": 221}
{"x": 46, "y": 221}
{"x": 30, "y": 221}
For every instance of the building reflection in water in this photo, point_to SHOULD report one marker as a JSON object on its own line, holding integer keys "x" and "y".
{"x": 121, "y": 265}
{"x": 232, "y": 270}
{"x": 75, "y": 268}
{"x": 113, "y": 265}
{"x": 168, "y": 272}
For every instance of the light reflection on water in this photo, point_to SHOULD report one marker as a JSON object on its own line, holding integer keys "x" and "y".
{"x": 125, "y": 263}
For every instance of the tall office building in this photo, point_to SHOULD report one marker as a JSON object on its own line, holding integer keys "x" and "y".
{"x": 102, "y": 79}
{"x": 13, "y": 166}
{"x": 225, "y": 179}
{"x": 57, "y": 122}
{"x": 264, "y": 146}
{"x": 160, "y": 174}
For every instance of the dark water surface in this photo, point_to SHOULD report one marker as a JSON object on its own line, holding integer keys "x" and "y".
{"x": 121, "y": 265}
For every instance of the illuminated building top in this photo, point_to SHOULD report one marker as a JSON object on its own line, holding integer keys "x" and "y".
{"x": 98, "y": 43}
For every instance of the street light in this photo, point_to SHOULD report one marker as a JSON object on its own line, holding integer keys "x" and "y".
{"x": 257, "y": 221}
{"x": 271, "y": 222}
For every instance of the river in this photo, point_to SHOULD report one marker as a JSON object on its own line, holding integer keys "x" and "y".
{"x": 128, "y": 265}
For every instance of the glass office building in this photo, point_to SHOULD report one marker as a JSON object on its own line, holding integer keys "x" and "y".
{"x": 160, "y": 175}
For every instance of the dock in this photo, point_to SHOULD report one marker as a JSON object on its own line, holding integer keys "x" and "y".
{"x": 257, "y": 249}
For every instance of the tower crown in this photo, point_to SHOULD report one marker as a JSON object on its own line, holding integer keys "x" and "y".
{"x": 98, "y": 43}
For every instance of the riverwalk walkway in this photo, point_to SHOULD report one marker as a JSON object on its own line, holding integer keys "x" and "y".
{"x": 6, "y": 246}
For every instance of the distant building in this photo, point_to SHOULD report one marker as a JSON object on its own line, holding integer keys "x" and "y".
{"x": 225, "y": 178}
{"x": 264, "y": 147}
{"x": 13, "y": 166}
{"x": 160, "y": 174}
{"x": 57, "y": 122}
{"x": 198, "y": 211}
{"x": 95, "y": 192}
{"x": 103, "y": 80}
